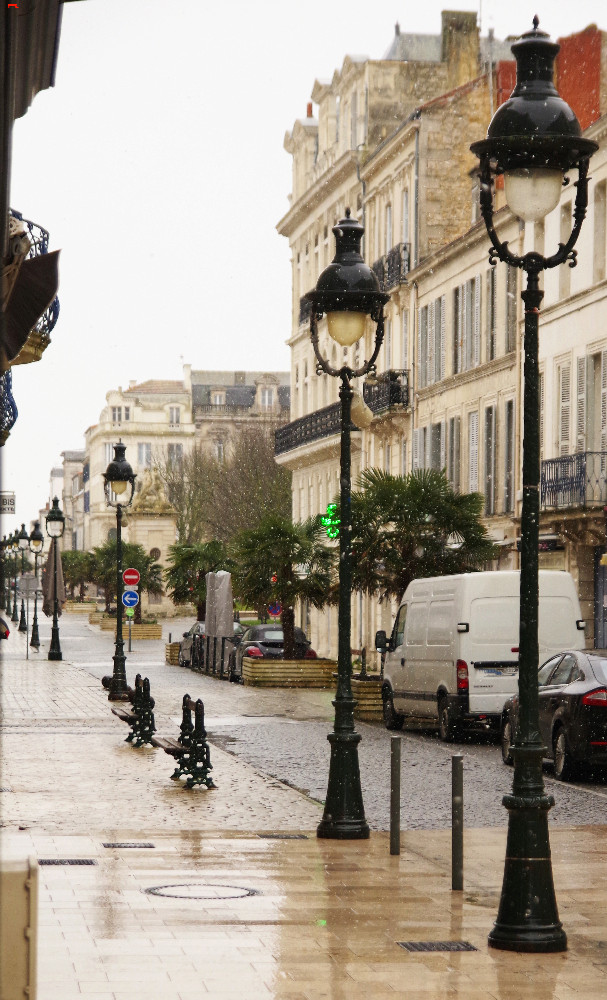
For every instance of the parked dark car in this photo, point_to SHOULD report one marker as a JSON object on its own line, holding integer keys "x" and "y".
{"x": 573, "y": 712}
{"x": 185, "y": 645}
{"x": 4, "y": 629}
{"x": 265, "y": 641}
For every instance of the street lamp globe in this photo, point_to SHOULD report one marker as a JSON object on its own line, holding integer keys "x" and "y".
{"x": 36, "y": 539}
{"x": 348, "y": 289}
{"x": 55, "y": 520}
{"x": 23, "y": 539}
{"x": 119, "y": 479}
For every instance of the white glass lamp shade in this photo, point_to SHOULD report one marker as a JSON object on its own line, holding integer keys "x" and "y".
{"x": 119, "y": 486}
{"x": 36, "y": 544}
{"x": 54, "y": 528}
{"x": 346, "y": 327}
{"x": 533, "y": 192}
{"x": 24, "y": 542}
{"x": 361, "y": 414}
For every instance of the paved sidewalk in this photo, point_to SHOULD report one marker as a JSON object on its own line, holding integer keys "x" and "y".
{"x": 235, "y": 913}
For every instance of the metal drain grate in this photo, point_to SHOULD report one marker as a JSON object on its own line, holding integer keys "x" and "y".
{"x": 66, "y": 861}
{"x": 202, "y": 890}
{"x": 126, "y": 843}
{"x": 436, "y": 946}
{"x": 282, "y": 836}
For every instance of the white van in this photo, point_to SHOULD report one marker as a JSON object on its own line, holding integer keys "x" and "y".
{"x": 452, "y": 657}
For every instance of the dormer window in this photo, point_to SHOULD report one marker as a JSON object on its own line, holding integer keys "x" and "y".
{"x": 218, "y": 398}
{"x": 267, "y": 399}
{"x": 174, "y": 416}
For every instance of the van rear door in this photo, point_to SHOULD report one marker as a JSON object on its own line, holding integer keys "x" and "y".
{"x": 491, "y": 651}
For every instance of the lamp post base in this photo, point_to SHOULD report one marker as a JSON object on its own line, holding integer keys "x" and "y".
{"x": 528, "y": 918}
{"x": 22, "y": 620}
{"x": 119, "y": 689}
{"x": 344, "y": 815}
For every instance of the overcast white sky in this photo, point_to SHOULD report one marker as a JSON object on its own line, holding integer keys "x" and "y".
{"x": 157, "y": 165}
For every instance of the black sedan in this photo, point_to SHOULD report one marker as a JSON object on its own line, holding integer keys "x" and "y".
{"x": 573, "y": 712}
{"x": 265, "y": 641}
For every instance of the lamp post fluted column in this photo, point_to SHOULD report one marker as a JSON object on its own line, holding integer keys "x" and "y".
{"x": 36, "y": 544}
{"x": 533, "y": 139}
{"x": 55, "y": 525}
{"x": 347, "y": 291}
{"x": 15, "y": 613}
{"x": 119, "y": 488}
{"x": 23, "y": 545}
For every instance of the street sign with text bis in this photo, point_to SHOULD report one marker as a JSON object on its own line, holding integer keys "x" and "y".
{"x": 131, "y": 575}
{"x": 130, "y": 598}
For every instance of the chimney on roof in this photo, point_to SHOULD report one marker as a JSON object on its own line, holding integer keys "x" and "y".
{"x": 132, "y": 383}
{"x": 397, "y": 29}
{"x": 460, "y": 46}
{"x": 309, "y": 109}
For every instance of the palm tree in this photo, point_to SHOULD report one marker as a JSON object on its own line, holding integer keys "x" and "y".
{"x": 404, "y": 527}
{"x": 281, "y": 562}
{"x": 187, "y": 573}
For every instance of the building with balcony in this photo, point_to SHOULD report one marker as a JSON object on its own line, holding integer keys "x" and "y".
{"x": 453, "y": 322}
{"x": 224, "y": 403}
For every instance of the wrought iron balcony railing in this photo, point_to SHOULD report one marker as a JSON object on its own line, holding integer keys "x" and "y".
{"x": 39, "y": 239}
{"x": 578, "y": 480}
{"x": 397, "y": 266}
{"x": 305, "y": 309}
{"x": 380, "y": 269}
{"x": 391, "y": 389}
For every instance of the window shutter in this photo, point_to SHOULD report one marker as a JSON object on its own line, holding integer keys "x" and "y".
{"x": 416, "y": 448}
{"x": 430, "y": 345}
{"x": 604, "y": 401}
{"x": 421, "y": 335}
{"x": 490, "y": 460}
{"x": 565, "y": 408}
{"x": 443, "y": 337}
{"x": 476, "y": 353}
{"x": 457, "y": 329}
{"x": 580, "y": 438}
{"x": 473, "y": 452}
{"x": 443, "y": 444}
{"x": 541, "y": 392}
{"x": 456, "y": 454}
{"x": 465, "y": 321}
{"x": 405, "y": 344}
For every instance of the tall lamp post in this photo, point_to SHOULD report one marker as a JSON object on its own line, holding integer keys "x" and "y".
{"x": 23, "y": 545}
{"x": 6, "y": 544}
{"x": 533, "y": 140}
{"x": 36, "y": 544}
{"x": 15, "y": 549}
{"x": 3, "y": 573}
{"x": 347, "y": 291}
{"x": 55, "y": 525}
{"x": 119, "y": 488}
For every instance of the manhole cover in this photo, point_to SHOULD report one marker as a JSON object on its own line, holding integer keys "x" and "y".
{"x": 201, "y": 890}
{"x": 436, "y": 946}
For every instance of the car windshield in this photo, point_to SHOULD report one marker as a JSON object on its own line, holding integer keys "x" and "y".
{"x": 269, "y": 635}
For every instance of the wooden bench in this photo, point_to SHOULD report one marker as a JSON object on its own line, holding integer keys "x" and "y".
{"x": 190, "y": 749}
{"x": 141, "y": 716}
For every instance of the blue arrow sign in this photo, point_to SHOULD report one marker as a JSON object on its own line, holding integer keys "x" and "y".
{"x": 130, "y": 598}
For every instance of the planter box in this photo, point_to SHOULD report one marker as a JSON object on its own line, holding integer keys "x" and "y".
{"x": 368, "y": 697}
{"x": 171, "y": 653}
{"x": 96, "y": 617}
{"x": 287, "y": 673}
{"x": 141, "y": 631}
{"x": 79, "y": 607}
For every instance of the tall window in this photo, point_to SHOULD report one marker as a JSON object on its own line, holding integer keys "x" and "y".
{"x": 600, "y": 231}
{"x": 509, "y": 457}
{"x": 388, "y": 345}
{"x": 453, "y": 454}
{"x": 127, "y": 413}
{"x": 354, "y": 121}
{"x": 405, "y": 217}
{"x": 437, "y": 446}
{"x": 491, "y": 297}
{"x": 174, "y": 416}
{"x": 388, "y": 458}
{"x": 220, "y": 451}
{"x": 144, "y": 455}
{"x": 175, "y": 454}
{"x": 490, "y": 460}
{"x": 109, "y": 452}
{"x": 467, "y": 325}
{"x": 218, "y": 398}
{"x": 473, "y": 452}
{"x": 511, "y": 294}
{"x": 431, "y": 346}
{"x": 404, "y": 354}
{"x": 388, "y": 233}
{"x": 565, "y": 272}
{"x": 403, "y": 458}
{"x": 116, "y": 414}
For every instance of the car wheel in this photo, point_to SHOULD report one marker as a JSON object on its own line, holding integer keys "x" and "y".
{"x": 447, "y": 730}
{"x": 182, "y": 660}
{"x": 392, "y": 718}
{"x": 506, "y": 741}
{"x": 564, "y": 765}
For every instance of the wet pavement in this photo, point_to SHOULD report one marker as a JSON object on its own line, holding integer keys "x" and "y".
{"x": 217, "y": 906}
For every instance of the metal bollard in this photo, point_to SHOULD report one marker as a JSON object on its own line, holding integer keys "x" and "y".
{"x": 395, "y": 742}
{"x": 170, "y": 634}
{"x": 457, "y": 821}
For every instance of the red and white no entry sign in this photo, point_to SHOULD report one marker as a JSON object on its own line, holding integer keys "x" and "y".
{"x": 131, "y": 576}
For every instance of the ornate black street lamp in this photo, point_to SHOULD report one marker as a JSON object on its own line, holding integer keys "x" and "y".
{"x": 533, "y": 139}
{"x": 119, "y": 488}
{"x": 347, "y": 291}
{"x": 23, "y": 545}
{"x": 14, "y": 540}
{"x": 36, "y": 544}
{"x": 3, "y": 573}
{"x": 55, "y": 525}
{"x": 7, "y": 575}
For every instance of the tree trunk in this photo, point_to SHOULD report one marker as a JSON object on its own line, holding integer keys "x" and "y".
{"x": 288, "y": 628}
{"x": 137, "y": 618}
